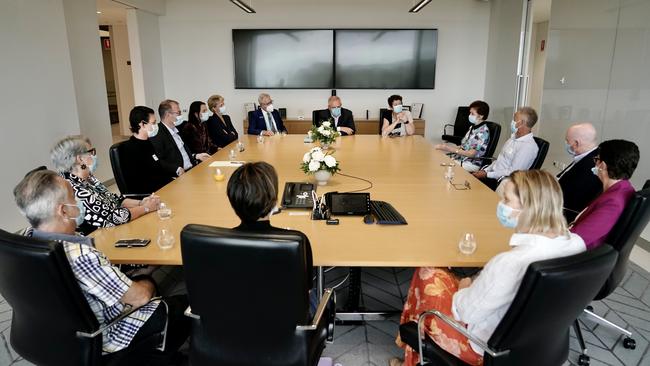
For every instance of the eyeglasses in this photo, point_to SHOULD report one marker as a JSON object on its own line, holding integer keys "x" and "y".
{"x": 92, "y": 151}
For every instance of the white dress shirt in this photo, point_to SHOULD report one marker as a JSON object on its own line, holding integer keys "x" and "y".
{"x": 516, "y": 154}
{"x": 187, "y": 163}
{"x": 482, "y": 305}
{"x": 270, "y": 121}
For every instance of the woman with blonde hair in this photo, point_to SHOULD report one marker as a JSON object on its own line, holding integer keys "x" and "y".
{"x": 531, "y": 203}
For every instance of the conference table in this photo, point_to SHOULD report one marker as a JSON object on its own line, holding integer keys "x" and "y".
{"x": 405, "y": 172}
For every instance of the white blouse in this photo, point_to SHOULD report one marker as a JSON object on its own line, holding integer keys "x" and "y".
{"x": 483, "y": 304}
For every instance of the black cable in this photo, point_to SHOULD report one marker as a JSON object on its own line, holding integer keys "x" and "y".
{"x": 362, "y": 179}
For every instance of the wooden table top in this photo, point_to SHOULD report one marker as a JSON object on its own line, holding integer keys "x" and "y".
{"x": 406, "y": 172}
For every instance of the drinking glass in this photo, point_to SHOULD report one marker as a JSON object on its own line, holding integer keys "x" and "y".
{"x": 260, "y": 139}
{"x": 449, "y": 174}
{"x": 165, "y": 239}
{"x": 232, "y": 155}
{"x": 467, "y": 244}
{"x": 164, "y": 211}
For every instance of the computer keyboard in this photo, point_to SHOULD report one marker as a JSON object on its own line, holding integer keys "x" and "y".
{"x": 386, "y": 214}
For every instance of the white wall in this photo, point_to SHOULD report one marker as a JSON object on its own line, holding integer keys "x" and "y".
{"x": 89, "y": 81}
{"x": 123, "y": 75}
{"x": 538, "y": 61}
{"x": 197, "y": 57}
{"x": 146, "y": 59}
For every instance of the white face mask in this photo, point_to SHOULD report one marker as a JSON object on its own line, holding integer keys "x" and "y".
{"x": 179, "y": 120}
{"x": 222, "y": 109}
{"x": 269, "y": 108}
{"x": 472, "y": 119}
{"x": 205, "y": 116}
{"x": 153, "y": 131}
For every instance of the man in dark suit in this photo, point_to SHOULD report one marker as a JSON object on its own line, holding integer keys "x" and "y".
{"x": 579, "y": 185}
{"x": 175, "y": 157}
{"x": 266, "y": 119}
{"x": 342, "y": 118}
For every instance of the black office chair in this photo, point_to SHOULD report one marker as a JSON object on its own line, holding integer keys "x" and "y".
{"x": 382, "y": 112}
{"x": 541, "y": 154}
{"x": 460, "y": 126}
{"x": 52, "y": 323}
{"x": 250, "y": 118}
{"x": 495, "y": 134}
{"x": 535, "y": 330}
{"x": 314, "y": 117}
{"x": 623, "y": 236}
{"x": 116, "y": 165}
{"x": 246, "y": 311}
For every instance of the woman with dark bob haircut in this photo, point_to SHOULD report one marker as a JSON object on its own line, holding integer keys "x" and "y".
{"x": 615, "y": 164}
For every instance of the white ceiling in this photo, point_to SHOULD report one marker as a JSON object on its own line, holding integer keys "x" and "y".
{"x": 111, "y": 12}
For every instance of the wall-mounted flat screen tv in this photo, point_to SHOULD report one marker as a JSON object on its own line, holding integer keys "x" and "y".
{"x": 283, "y": 59}
{"x": 385, "y": 59}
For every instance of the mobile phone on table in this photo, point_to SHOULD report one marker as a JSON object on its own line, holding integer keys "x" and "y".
{"x": 132, "y": 243}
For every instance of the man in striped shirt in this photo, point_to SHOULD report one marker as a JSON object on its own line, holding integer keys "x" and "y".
{"x": 49, "y": 205}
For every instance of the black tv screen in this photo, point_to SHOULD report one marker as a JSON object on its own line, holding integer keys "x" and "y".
{"x": 385, "y": 59}
{"x": 283, "y": 59}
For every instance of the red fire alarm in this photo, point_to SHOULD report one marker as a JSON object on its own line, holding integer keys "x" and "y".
{"x": 543, "y": 44}
{"x": 107, "y": 43}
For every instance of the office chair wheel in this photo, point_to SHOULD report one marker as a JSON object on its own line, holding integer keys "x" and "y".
{"x": 629, "y": 343}
{"x": 583, "y": 360}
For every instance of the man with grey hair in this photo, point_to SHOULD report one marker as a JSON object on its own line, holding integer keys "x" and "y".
{"x": 518, "y": 153}
{"x": 266, "y": 119}
{"x": 579, "y": 185}
{"x": 48, "y": 202}
{"x": 342, "y": 118}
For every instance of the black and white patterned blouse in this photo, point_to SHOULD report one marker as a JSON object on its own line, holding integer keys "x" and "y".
{"x": 103, "y": 208}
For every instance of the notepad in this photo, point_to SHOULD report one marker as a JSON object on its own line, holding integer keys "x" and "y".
{"x": 225, "y": 163}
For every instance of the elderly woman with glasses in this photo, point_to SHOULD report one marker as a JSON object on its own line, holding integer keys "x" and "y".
{"x": 76, "y": 160}
{"x": 615, "y": 164}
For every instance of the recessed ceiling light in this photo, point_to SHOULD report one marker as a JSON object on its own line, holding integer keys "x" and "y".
{"x": 99, "y": 12}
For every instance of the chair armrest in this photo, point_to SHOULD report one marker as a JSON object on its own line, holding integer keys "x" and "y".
{"x": 188, "y": 313}
{"x": 320, "y": 311}
{"x": 444, "y": 129}
{"x": 128, "y": 311}
{"x": 458, "y": 327}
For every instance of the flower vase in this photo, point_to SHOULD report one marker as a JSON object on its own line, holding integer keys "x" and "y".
{"x": 322, "y": 177}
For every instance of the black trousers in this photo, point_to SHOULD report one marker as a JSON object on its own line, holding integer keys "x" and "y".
{"x": 143, "y": 348}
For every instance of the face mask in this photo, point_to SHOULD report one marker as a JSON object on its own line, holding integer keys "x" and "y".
{"x": 82, "y": 213}
{"x": 513, "y": 126}
{"x": 93, "y": 166}
{"x": 153, "y": 131}
{"x": 336, "y": 112}
{"x": 595, "y": 170}
{"x": 205, "y": 116}
{"x": 397, "y": 108}
{"x": 269, "y": 108}
{"x": 179, "y": 120}
{"x": 504, "y": 213}
{"x": 569, "y": 150}
{"x": 472, "y": 119}
{"x": 222, "y": 109}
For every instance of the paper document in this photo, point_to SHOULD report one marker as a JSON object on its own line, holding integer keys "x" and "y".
{"x": 226, "y": 163}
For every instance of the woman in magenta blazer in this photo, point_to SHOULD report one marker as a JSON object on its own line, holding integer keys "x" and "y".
{"x": 615, "y": 163}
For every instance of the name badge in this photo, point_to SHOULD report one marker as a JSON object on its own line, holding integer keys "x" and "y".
{"x": 155, "y": 158}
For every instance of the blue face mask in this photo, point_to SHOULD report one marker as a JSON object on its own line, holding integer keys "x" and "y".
{"x": 82, "y": 213}
{"x": 513, "y": 127}
{"x": 336, "y": 112}
{"x": 595, "y": 170}
{"x": 568, "y": 149}
{"x": 397, "y": 109}
{"x": 472, "y": 119}
{"x": 504, "y": 213}
{"x": 93, "y": 166}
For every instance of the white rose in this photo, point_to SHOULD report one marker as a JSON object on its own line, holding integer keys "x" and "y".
{"x": 330, "y": 161}
{"x": 326, "y": 133}
{"x": 327, "y": 124}
{"x": 318, "y": 155}
{"x": 306, "y": 158}
{"x": 314, "y": 166}
{"x": 317, "y": 148}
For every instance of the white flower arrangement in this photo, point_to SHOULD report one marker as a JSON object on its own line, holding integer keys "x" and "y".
{"x": 316, "y": 159}
{"x": 325, "y": 133}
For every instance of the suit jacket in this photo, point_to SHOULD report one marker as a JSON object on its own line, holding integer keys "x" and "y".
{"x": 597, "y": 220}
{"x": 168, "y": 153}
{"x": 220, "y": 133}
{"x": 345, "y": 119}
{"x": 579, "y": 186}
{"x": 256, "y": 123}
